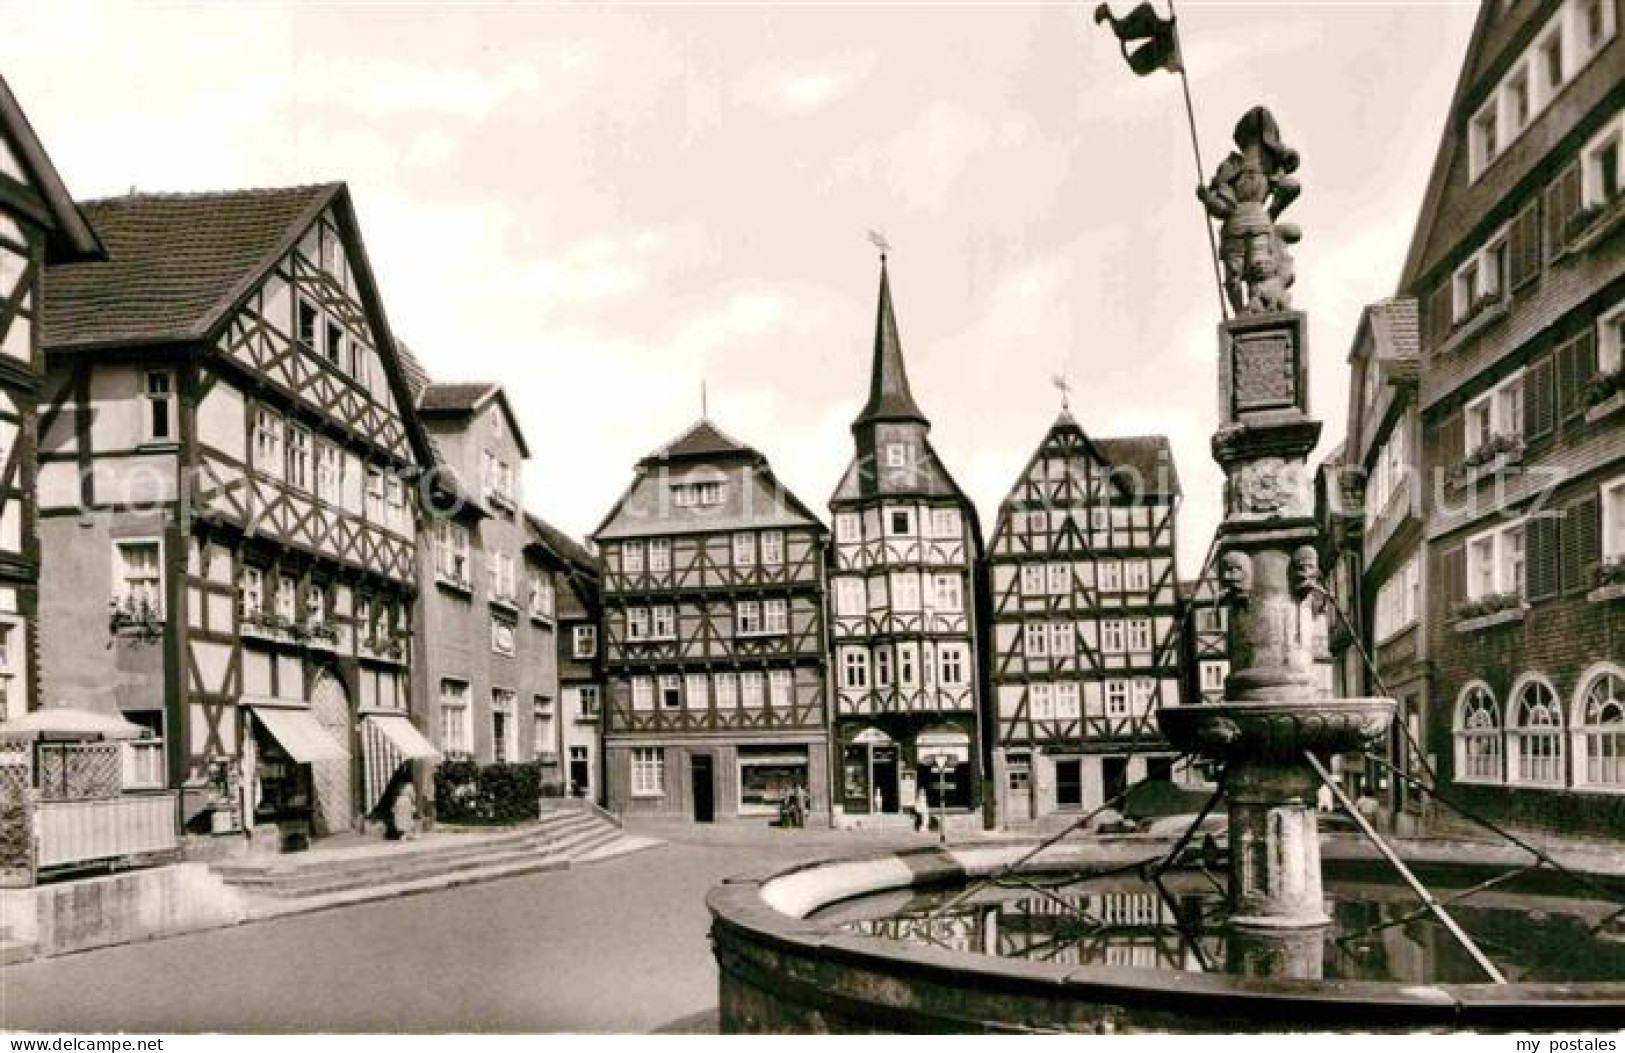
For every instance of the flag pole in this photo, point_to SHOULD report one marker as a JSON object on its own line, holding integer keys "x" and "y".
{"x": 1201, "y": 170}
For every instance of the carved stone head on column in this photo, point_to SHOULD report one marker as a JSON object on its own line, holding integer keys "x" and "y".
{"x": 1304, "y": 572}
{"x": 1236, "y": 577}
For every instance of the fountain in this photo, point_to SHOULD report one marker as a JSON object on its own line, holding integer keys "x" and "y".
{"x": 868, "y": 944}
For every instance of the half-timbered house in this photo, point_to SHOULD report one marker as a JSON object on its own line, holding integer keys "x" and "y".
{"x": 903, "y": 611}
{"x": 1204, "y": 639}
{"x": 713, "y": 636}
{"x": 38, "y": 223}
{"x": 227, "y": 464}
{"x": 1084, "y": 645}
{"x": 570, "y": 731}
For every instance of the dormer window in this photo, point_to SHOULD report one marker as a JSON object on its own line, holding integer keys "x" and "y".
{"x": 897, "y": 455}
{"x": 160, "y": 420}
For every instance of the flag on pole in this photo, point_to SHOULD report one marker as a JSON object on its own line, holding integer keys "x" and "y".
{"x": 1156, "y": 38}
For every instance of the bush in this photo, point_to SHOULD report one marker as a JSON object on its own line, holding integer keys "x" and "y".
{"x": 466, "y": 792}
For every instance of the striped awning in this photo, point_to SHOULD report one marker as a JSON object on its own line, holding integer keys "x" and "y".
{"x": 388, "y": 740}
{"x": 306, "y": 741}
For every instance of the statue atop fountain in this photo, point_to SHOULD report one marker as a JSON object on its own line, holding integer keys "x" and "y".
{"x": 1277, "y": 712}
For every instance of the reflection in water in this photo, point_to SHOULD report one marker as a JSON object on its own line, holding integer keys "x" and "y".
{"x": 1375, "y": 933}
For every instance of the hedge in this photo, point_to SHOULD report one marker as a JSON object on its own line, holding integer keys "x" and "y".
{"x": 467, "y": 792}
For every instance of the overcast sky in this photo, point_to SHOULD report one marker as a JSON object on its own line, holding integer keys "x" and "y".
{"x": 599, "y": 207}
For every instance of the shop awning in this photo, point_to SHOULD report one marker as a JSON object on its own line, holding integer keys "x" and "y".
{"x": 64, "y": 723}
{"x": 388, "y": 740}
{"x": 306, "y": 741}
{"x": 871, "y": 737}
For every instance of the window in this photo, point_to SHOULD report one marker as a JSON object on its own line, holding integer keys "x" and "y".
{"x": 1495, "y": 563}
{"x": 632, "y": 557}
{"x": 268, "y": 442}
{"x": 541, "y": 723}
{"x": 744, "y": 546}
{"x": 780, "y": 687}
{"x": 659, "y": 554}
{"x": 137, "y": 582}
{"x": 908, "y": 672}
{"x": 395, "y": 510}
{"x": 953, "y": 665}
{"x": 1519, "y": 103}
{"x": 1551, "y": 62}
{"x": 160, "y": 420}
{"x": 900, "y": 522}
{"x": 1018, "y": 769}
{"x": 334, "y": 344}
{"x": 1068, "y": 782}
{"x": 896, "y": 455}
{"x": 849, "y": 596}
{"x": 453, "y": 560}
{"x": 1399, "y": 600}
{"x": 1142, "y": 689}
{"x": 1035, "y": 640}
{"x": 1536, "y": 735}
{"x": 500, "y": 575}
{"x": 1139, "y": 634}
{"x": 1063, "y": 639}
{"x": 1136, "y": 575}
{"x": 1111, "y": 636}
{"x": 726, "y": 687}
{"x": 305, "y": 322}
{"x": 643, "y": 693}
{"x": 945, "y": 523}
{"x": 454, "y": 726}
{"x": 663, "y": 622}
{"x": 883, "y": 667}
{"x": 287, "y": 599}
{"x": 502, "y": 713}
{"x": 329, "y": 472}
{"x": 1042, "y": 698}
{"x": 750, "y": 690}
{"x": 1599, "y": 740}
{"x": 502, "y": 637}
{"x": 1479, "y": 280}
{"x": 298, "y": 457}
{"x": 697, "y": 495}
{"x": 772, "y": 548}
{"x": 584, "y": 641}
{"x": 1387, "y": 473}
{"x": 948, "y": 592}
{"x": 775, "y": 617}
{"x": 671, "y": 691}
{"x": 315, "y": 606}
{"x": 375, "y": 495}
{"x": 695, "y": 690}
{"x": 1066, "y": 706}
{"x": 1213, "y": 674}
{"x": 587, "y": 695}
{"x": 1496, "y": 413}
{"x": 854, "y": 668}
{"x": 1059, "y": 578}
{"x": 1594, "y": 24}
{"x": 1611, "y": 339}
{"x": 1600, "y": 164}
{"x": 1613, "y": 520}
{"x": 541, "y": 595}
{"x": 1116, "y": 698}
{"x": 1111, "y": 576}
{"x": 499, "y": 486}
{"x": 747, "y": 618}
{"x": 1482, "y": 138}
{"x": 637, "y": 623}
{"x": 648, "y": 771}
{"x": 848, "y": 527}
{"x": 251, "y": 591}
{"x": 905, "y": 590}
{"x": 1033, "y": 580}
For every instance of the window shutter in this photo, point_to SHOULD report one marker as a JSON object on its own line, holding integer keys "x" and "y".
{"x": 1539, "y": 399}
{"x": 1582, "y": 544}
{"x": 1452, "y": 583}
{"x": 1450, "y": 441}
{"x": 1565, "y": 377}
{"x": 1543, "y": 576}
{"x": 1523, "y": 246}
{"x": 1585, "y": 363}
{"x": 1562, "y": 201}
{"x": 1439, "y": 316}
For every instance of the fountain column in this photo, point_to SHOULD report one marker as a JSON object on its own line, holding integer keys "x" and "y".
{"x": 1277, "y": 700}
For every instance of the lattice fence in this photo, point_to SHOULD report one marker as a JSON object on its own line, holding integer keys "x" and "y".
{"x": 16, "y": 832}
{"x": 79, "y": 771}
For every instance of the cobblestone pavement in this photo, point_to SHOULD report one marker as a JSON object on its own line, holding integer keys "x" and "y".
{"x": 615, "y": 947}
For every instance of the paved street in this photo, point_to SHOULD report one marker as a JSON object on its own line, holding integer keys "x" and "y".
{"x": 618, "y": 947}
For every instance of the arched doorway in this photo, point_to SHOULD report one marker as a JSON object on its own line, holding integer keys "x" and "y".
{"x": 332, "y": 781}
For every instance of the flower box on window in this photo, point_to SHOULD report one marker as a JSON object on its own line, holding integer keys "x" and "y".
{"x": 135, "y": 616}
{"x": 1482, "y": 303}
{"x": 1610, "y": 581}
{"x": 1495, "y": 453}
{"x": 321, "y": 635}
{"x": 1591, "y": 225}
{"x": 1605, "y": 394}
{"x": 1487, "y": 611}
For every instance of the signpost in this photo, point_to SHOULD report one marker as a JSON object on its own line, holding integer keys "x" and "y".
{"x": 940, "y": 764}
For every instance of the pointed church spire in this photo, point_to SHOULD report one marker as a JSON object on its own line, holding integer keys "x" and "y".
{"x": 889, "y": 396}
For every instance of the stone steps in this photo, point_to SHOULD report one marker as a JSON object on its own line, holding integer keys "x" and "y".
{"x": 555, "y": 842}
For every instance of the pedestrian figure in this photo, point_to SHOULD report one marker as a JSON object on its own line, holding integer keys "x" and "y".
{"x": 879, "y": 801}
{"x": 1323, "y": 799}
{"x": 803, "y": 805}
{"x": 922, "y": 810}
{"x": 403, "y": 813}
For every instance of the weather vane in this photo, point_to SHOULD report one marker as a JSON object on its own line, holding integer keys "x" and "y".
{"x": 1064, "y": 386}
{"x": 878, "y": 240}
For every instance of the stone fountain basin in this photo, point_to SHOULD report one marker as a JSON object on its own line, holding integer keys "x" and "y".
{"x": 1276, "y": 731}
{"x": 782, "y": 971}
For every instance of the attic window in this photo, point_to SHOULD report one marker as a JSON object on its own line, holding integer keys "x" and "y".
{"x": 335, "y": 343}
{"x": 305, "y": 325}
{"x": 696, "y": 495}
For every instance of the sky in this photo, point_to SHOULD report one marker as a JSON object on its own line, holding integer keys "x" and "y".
{"x": 602, "y": 207}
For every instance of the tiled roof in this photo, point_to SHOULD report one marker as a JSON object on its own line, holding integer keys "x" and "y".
{"x": 704, "y": 439}
{"x": 417, "y": 378}
{"x": 176, "y": 263}
{"x": 567, "y": 548}
{"x": 454, "y": 398}
{"x": 1148, "y": 458}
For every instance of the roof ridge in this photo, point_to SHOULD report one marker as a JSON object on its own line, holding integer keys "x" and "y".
{"x": 208, "y": 195}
